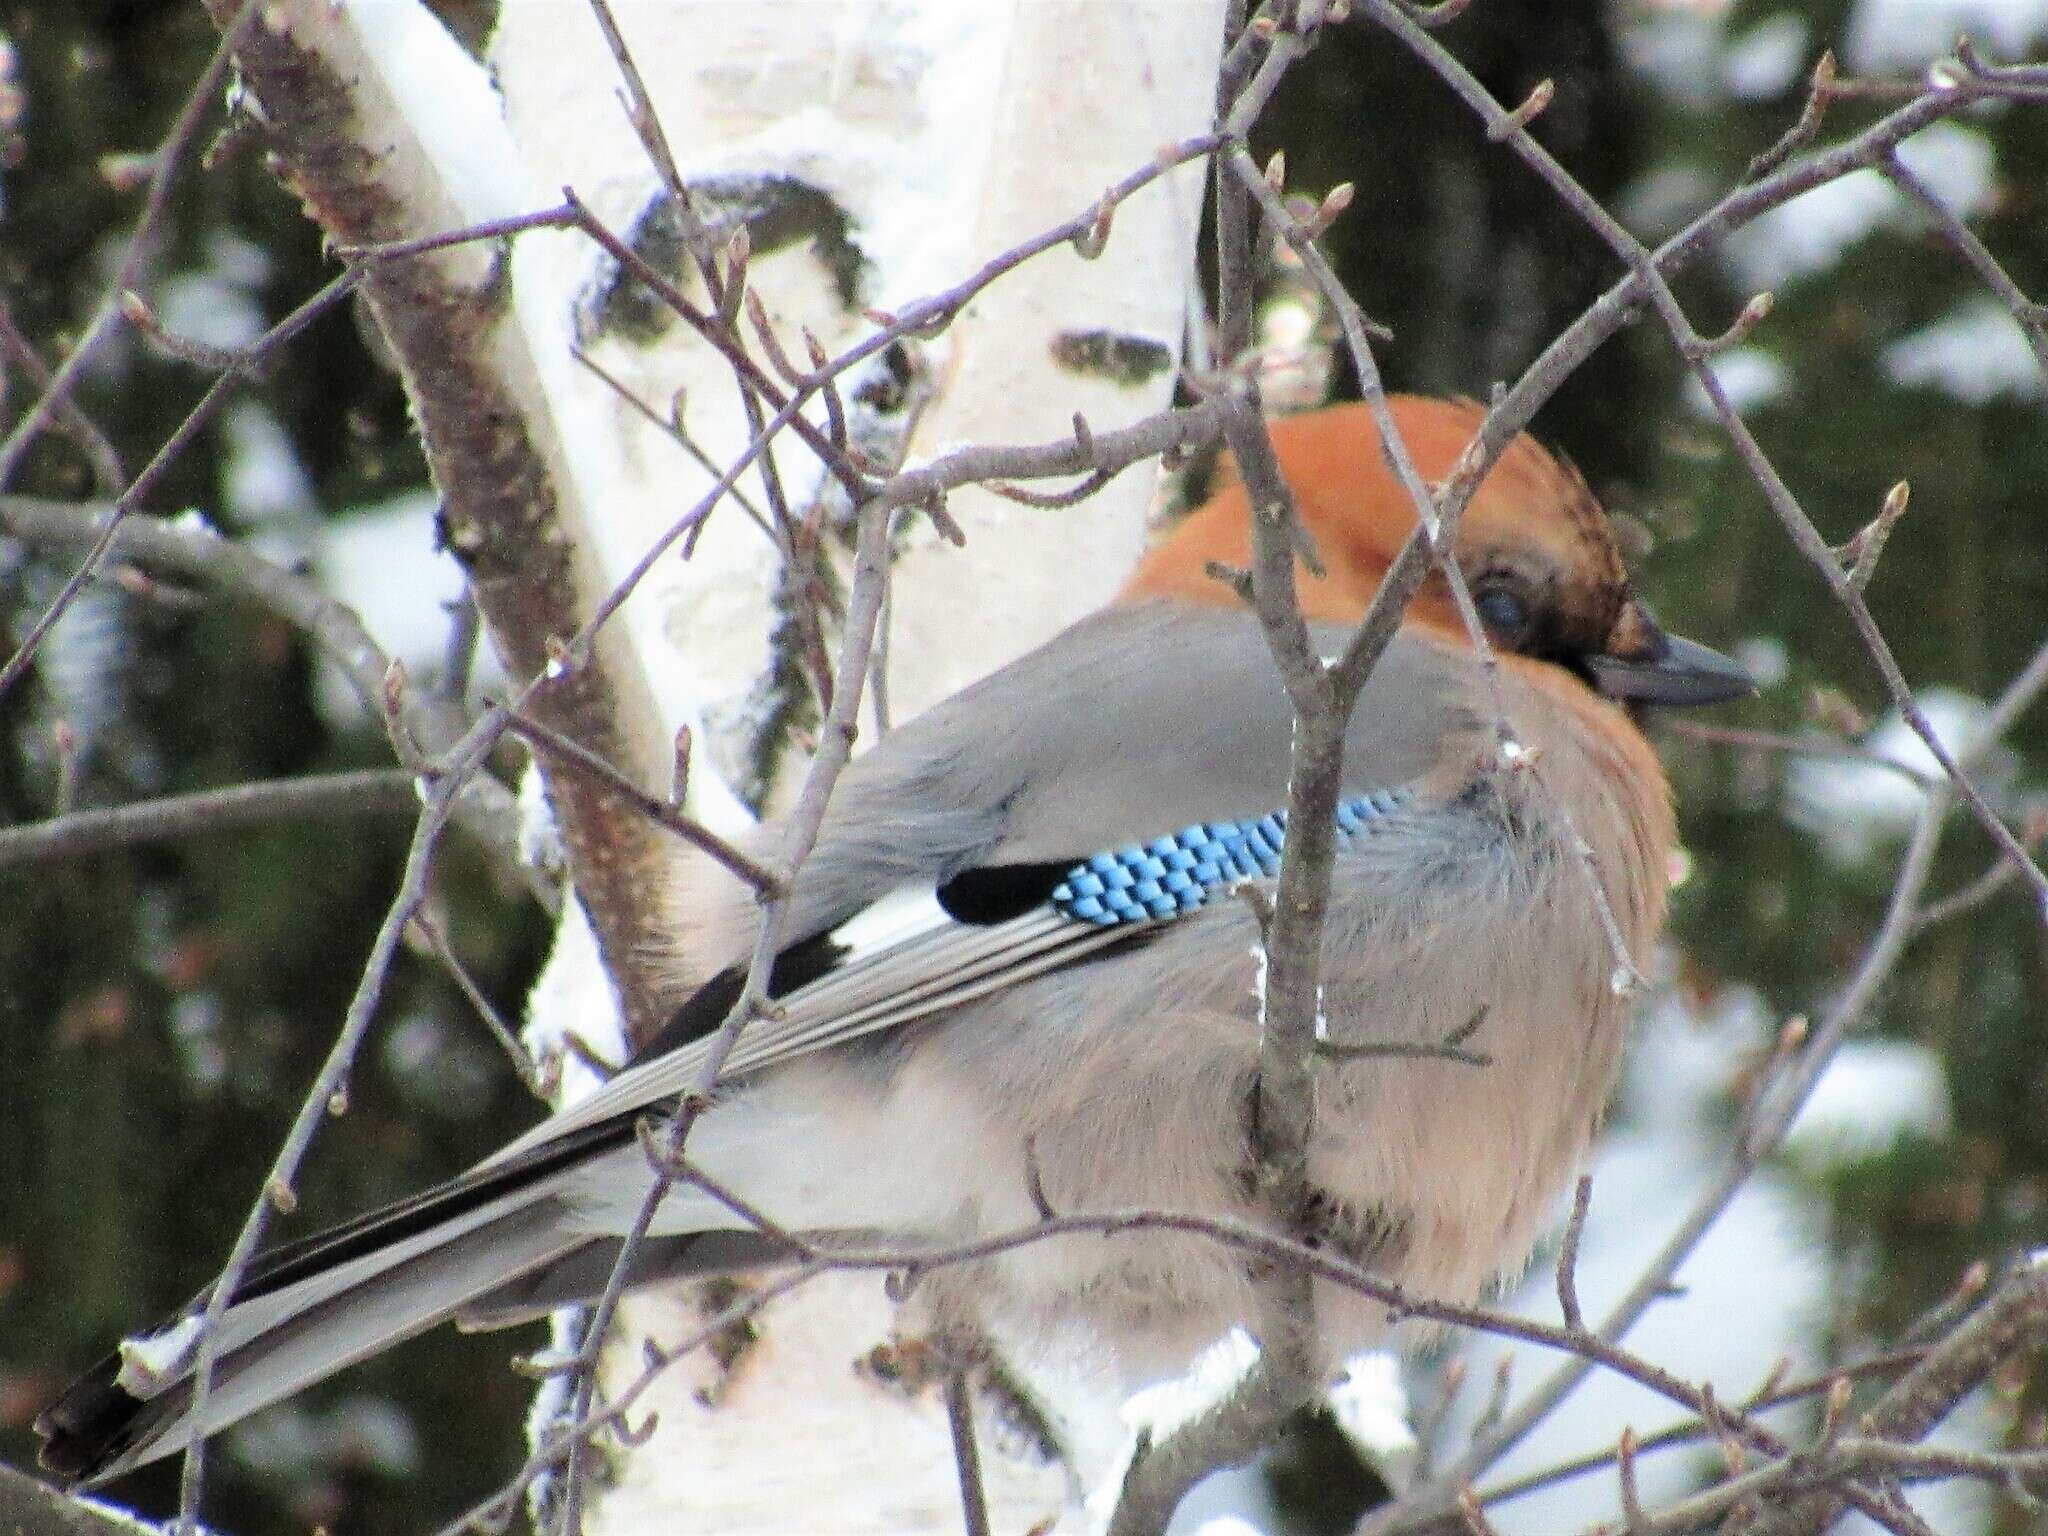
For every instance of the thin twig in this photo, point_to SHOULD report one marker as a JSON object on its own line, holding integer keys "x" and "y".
{"x": 555, "y": 745}
{"x": 204, "y": 813}
{"x": 136, "y": 250}
{"x": 1568, "y": 1256}
{"x": 966, "y": 1456}
{"x": 330, "y": 1082}
{"x": 670, "y": 427}
{"x": 145, "y": 482}
{"x": 1800, "y": 134}
{"x": 1692, "y": 1431}
{"x": 521, "y": 1059}
{"x": 2011, "y": 1320}
{"x": 2028, "y": 315}
{"x": 871, "y": 568}
{"x": 1966, "y": 898}
{"x": 190, "y": 549}
{"x": 1805, "y": 537}
{"x": 458, "y": 652}
{"x": 103, "y": 457}
{"x": 1796, "y": 746}
{"x": 640, "y": 111}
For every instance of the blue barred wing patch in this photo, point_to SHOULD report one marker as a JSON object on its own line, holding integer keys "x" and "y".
{"x": 1173, "y": 875}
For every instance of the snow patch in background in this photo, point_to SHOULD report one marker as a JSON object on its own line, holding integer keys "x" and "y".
{"x": 261, "y": 480}
{"x": 1658, "y": 203}
{"x": 1765, "y": 659}
{"x": 1767, "y": 58}
{"x": 1957, "y": 164}
{"x": 1370, "y": 1404}
{"x": 1678, "y": 51}
{"x": 1976, "y": 353}
{"x": 1812, "y": 233}
{"x": 1749, "y": 376}
{"x": 361, "y": 1431}
{"x": 216, "y": 304}
{"x": 84, "y": 662}
{"x": 442, "y": 1071}
{"x": 384, "y": 562}
{"x": 1890, "y": 35}
{"x": 1854, "y": 807}
{"x": 1873, "y": 1092}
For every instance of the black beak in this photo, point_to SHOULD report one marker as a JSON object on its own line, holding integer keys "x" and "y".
{"x": 1670, "y": 671}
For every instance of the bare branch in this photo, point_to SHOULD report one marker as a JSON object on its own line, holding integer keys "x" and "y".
{"x": 574, "y": 754}
{"x": 870, "y": 580}
{"x": 144, "y": 483}
{"x": 100, "y": 454}
{"x": 371, "y": 792}
{"x": 966, "y": 1457}
{"x": 1801, "y": 133}
{"x": 1568, "y": 1256}
{"x": 165, "y": 164}
{"x": 328, "y": 1086}
{"x": 2029, "y": 316}
{"x": 493, "y": 1021}
{"x": 2012, "y": 1320}
{"x": 1790, "y": 514}
{"x": 187, "y": 548}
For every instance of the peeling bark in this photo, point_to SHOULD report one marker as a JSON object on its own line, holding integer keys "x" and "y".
{"x": 348, "y": 157}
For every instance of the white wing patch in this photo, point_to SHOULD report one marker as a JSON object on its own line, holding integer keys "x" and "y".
{"x": 907, "y": 959}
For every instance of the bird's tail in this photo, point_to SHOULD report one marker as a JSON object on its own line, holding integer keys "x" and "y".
{"x": 308, "y": 1309}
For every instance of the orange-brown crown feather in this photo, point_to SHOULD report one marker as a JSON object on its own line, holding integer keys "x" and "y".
{"x": 1533, "y": 511}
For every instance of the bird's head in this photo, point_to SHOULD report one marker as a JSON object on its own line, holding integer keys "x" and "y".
{"x": 1539, "y": 555}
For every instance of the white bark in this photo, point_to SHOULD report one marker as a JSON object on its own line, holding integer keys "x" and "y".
{"x": 943, "y": 133}
{"x": 919, "y": 138}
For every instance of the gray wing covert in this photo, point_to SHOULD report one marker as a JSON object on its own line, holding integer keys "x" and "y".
{"x": 1132, "y": 725}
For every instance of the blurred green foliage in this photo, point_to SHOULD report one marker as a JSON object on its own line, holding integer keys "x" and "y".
{"x": 162, "y": 1010}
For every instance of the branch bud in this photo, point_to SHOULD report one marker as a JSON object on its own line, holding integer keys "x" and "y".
{"x": 127, "y": 172}
{"x": 1334, "y": 202}
{"x": 1090, "y": 242}
{"x": 1531, "y": 108}
{"x": 1752, "y": 315}
{"x": 1833, "y": 1406}
{"x": 1860, "y": 555}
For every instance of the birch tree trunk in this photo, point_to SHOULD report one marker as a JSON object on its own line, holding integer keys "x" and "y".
{"x": 878, "y": 152}
{"x": 874, "y": 151}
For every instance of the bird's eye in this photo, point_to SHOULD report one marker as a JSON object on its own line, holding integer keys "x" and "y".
{"x": 1505, "y": 612}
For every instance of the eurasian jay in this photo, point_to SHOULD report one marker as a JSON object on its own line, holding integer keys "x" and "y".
{"x": 1015, "y": 967}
